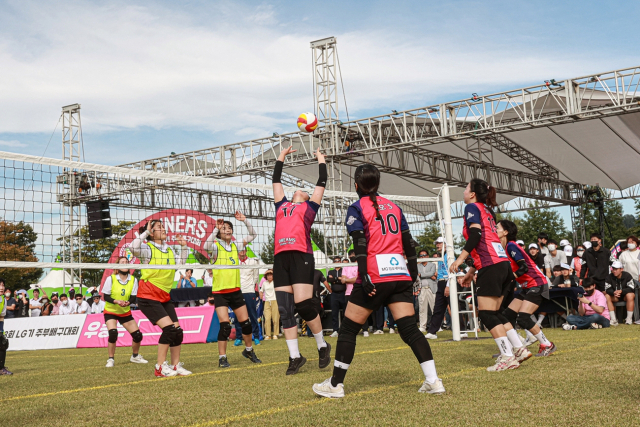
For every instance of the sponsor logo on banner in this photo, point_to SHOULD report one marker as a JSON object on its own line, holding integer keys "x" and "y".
{"x": 194, "y": 321}
{"x": 46, "y": 332}
{"x": 391, "y": 265}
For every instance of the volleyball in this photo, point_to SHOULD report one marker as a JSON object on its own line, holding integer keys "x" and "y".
{"x": 307, "y": 122}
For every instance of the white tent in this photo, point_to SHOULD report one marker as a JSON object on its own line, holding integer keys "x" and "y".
{"x": 55, "y": 279}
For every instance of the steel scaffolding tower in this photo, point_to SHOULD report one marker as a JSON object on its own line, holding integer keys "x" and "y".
{"x": 68, "y": 186}
{"x": 325, "y": 81}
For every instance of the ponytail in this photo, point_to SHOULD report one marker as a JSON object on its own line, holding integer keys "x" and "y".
{"x": 374, "y": 200}
{"x": 367, "y": 180}
{"x": 484, "y": 192}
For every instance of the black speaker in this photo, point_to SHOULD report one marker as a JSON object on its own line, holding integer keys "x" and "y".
{"x": 99, "y": 219}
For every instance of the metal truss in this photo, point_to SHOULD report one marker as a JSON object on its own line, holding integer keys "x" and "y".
{"x": 324, "y": 80}
{"x": 486, "y": 118}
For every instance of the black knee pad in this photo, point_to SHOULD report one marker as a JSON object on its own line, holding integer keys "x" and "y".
{"x": 349, "y": 330}
{"x": 136, "y": 336}
{"x": 525, "y": 321}
{"x": 113, "y": 336}
{"x": 246, "y": 327}
{"x": 286, "y": 308}
{"x": 408, "y": 330}
{"x": 4, "y": 342}
{"x": 307, "y": 310}
{"x": 225, "y": 331}
{"x": 168, "y": 335}
{"x": 489, "y": 318}
{"x": 503, "y": 319}
{"x": 178, "y": 338}
{"x": 510, "y": 315}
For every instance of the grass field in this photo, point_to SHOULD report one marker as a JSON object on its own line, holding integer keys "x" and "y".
{"x": 593, "y": 379}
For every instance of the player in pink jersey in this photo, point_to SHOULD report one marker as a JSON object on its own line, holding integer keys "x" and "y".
{"x": 380, "y": 235}
{"x": 490, "y": 260}
{"x": 293, "y": 263}
{"x": 535, "y": 289}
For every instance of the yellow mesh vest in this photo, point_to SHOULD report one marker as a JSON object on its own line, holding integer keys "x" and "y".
{"x": 163, "y": 279}
{"x": 119, "y": 292}
{"x": 227, "y": 278}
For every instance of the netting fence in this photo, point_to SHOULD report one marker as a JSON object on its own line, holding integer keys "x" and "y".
{"x": 44, "y": 218}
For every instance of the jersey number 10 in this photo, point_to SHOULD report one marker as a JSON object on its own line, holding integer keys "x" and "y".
{"x": 391, "y": 225}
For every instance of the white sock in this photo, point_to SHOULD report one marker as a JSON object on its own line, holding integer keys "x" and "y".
{"x": 504, "y": 346}
{"x": 514, "y": 338}
{"x": 542, "y": 339}
{"x": 294, "y": 353}
{"x": 613, "y": 316}
{"x": 529, "y": 334}
{"x": 540, "y": 319}
{"x": 249, "y": 348}
{"x": 429, "y": 369}
{"x": 221, "y": 356}
{"x": 629, "y": 316}
{"x": 319, "y": 340}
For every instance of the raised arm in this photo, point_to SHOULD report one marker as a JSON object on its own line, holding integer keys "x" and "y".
{"x": 322, "y": 178}
{"x": 139, "y": 249}
{"x": 209, "y": 244}
{"x": 184, "y": 250}
{"x": 278, "y": 191}
{"x": 252, "y": 233}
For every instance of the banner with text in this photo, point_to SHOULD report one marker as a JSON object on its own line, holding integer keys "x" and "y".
{"x": 44, "y": 333}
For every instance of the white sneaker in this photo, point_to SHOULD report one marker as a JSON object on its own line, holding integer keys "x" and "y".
{"x": 325, "y": 389}
{"x": 503, "y": 363}
{"x": 440, "y": 330}
{"x": 110, "y": 363}
{"x": 275, "y": 337}
{"x": 334, "y": 335}
{"x": 614, "y": 323}
{"x": 423, "y": 330}
{"x": 521, "y": 354}
{"x": 628, "y": 322}
{"x": 179, "y": 368}
{"x": 365, "y": 334}
{"x": 392, "y": 331}
{"x": 431, "y": 336}
{"x": 637, "y": 322}
{"x": 568, "y": 327}
{"x": 378, "y": 332}
{"x": 138, "y": 359}
{"x": 464, "y": 335}
{"x": 529, "y": 341}
{"x": 167, "y": 371}
{"x": 432, "y": 388}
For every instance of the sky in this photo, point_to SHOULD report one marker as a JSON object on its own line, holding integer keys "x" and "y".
{"x": 155, "y": 77}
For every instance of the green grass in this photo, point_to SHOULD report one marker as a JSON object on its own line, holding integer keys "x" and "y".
{"x": 592, "y": 379}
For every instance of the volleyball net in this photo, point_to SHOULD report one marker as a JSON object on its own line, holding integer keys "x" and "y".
{"x": 81, "y": 217}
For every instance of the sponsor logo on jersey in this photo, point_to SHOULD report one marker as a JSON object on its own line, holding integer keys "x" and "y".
{"x": 470, "y": 215}
{"x": 513, "y": 254}
{"x": 287, "y": 241}
{"x": 351, "y": 220}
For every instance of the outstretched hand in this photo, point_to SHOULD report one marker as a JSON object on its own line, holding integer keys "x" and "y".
{"x": 219, "y": 223}
{"x": 240, "y": 216}
{"x": 285, "y": 152}
{"x": 319, "y": 155}
{"x": 181, "y": 240}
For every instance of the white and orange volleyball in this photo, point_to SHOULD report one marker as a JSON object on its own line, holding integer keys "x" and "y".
{"x": 307, "y": 122}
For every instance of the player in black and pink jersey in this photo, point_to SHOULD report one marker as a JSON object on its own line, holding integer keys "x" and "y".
{"x": 535, "y": 289}
{"x": 293, "y": 264}
{"x": 490, "y": 260}
{"x": 381, "y": 238}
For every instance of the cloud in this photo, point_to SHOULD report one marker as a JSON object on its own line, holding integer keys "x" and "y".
{"x": 229, "y": 67}
{"x": 12, "y": 143}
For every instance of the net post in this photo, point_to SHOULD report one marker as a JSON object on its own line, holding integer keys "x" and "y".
{"x": 453, "y": 285}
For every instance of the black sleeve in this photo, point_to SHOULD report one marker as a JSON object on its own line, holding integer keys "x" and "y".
{"x": 360, "y": 248}
{"x": 107, "y": 298}
{"x": 322, "y": 175}
{"x": 523, "y": 268}
{"x": 584, "y": 269}
{"x": 474, "y": 238}
{"x": 132, "y": 299}
{"x": 410, "y": 252}
{"x": 277, "y": 172}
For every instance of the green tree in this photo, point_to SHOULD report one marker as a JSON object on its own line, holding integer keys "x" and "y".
{"x": 430, "y": 234}
{"x": 614, "y": 220}
{"x": 318, "y": 237}
{"x": 266, "y": 253}
{"x": 17, "y": 243}
{"x": 629, "y": 221}
{"x": 100, "y": 250}
{"x": 535, "y": 221}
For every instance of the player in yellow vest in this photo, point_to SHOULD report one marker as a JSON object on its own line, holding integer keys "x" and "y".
{"x": 4, "y": 342}
{"x": 153, "y": 293}
{"x": 226, "y": 286}
{"x": 119, "y": 291}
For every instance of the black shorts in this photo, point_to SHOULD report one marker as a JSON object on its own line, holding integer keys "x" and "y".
{"x": 156, "y": 310}
{"x": 535, "y": 295}
{"x": 386, "y": 293}
{"x": 233, "y": 300}
{"x": 121, "y": 319}
{"x": 291, "y": 267}
{"x": 494, "y": 280}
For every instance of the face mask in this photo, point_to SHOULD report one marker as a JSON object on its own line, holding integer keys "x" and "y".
{"x": 352, "y": 259}
{"x": 552, "y": 247}
{"x": 595, "y": 243}
{"x": 8, "y": 294}
{"x": 580, "y": 253}
{"x": 55, "y": 301}
{"x": 590, "y": 292}
{"x": 632, "y": 246}
{"x": 66, "y": 302}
